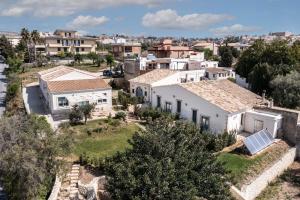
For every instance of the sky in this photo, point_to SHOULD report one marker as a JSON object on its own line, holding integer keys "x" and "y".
{"x": 177, "y": 18}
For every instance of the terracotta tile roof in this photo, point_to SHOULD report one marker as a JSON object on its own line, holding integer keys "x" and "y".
{"x": 153, "y": 76}
{"x": 77, "y": 85}
{"x": 56, "y": 72}
{"x": 224, "y": 94}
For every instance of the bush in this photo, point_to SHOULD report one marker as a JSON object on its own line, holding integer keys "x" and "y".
{"x": 114, "y": 122}
{"x": 98, "y": 130}
{"x": 12, "y": 90}
{"x": 120, "y": 115}
{"x": 75, "y": 116}
{"x": 220, "y": 141}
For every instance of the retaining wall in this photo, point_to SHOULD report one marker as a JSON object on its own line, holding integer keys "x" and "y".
{"x": 55, "y": 189}
{"x": 252, "y": 190}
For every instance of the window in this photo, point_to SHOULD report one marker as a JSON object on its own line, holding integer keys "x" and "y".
{"x": 128, "y": 49}
{"x": 158, "y": 100}
{"x": 63, "y": 101}
{"x": 133, "y": 91}
{"x": 82, "y": 41}
{"x": 168, "y": 107}
{"x": 178, "y": 109}
{"x": 77, "y": 49}
{"x": 145, "y": 93}
{"x": 102, "y": 101}
{"x": 70, "y": 34}
{"x": 65, "y": 49}
{"x": 58, "y": 49}
{"x": 194, "y": 116}
{"x": 82, "y": 49}
{"x": 58, "y": 41}
{"x": 65, "y": 34}
{"x": 82, "y": 103}
{"x": 204, "y": 123}
{"x": 104, "y": 94}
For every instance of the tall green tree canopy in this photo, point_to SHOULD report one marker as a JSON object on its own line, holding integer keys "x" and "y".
{"x": 28, "y": 158}
{"x": 227, "y": 54}
{"x": 167, "y": 161}
{"x": 286, "y": 90}
{"x": 6, "y": 49}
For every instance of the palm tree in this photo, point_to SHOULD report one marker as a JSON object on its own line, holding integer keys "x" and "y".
{"x": 25, "y": 35}
{"x": 109, "y": 60}
{"x": 35, "y": 37}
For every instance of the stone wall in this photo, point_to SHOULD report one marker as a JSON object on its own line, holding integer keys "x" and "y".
{"x": 252, "y": 190}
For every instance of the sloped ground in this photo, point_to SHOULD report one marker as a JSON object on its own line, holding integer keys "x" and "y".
{"x": 285, "y": 187}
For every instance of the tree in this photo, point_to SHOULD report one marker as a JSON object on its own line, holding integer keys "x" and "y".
{"x": 86, "y": 110}
{"x": 28, "y": 160}
{"x": 78, "y": 58}
{"x": 25, "y": 34}
{"x": 260, "y": 77}
{"x": 99, "y": 61}
{"x": 286, "y": 90}
{"x": 109, "y": 60}
{"x": 75, "y": 116}
{"x": 226, "y": 56}
{"x": 35, "y": 37}
{"x": 6, "y": 49}
{"x": 250, "y": 57}
{"x": 167, "y": 161}
{"x": 92, "y": 56}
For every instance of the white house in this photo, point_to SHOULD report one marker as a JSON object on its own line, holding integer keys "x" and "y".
{"x": 217, "y": 73}
{"x": 62, "y": 87}
{"x": 142, "y": 85}
{"x": 218, "y": 105}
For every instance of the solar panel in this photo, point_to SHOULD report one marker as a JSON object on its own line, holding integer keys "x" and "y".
{"x": 258, "y": 141}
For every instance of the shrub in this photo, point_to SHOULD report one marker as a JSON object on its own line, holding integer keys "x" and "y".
{"x": 75, "y": 116}
{"x": 12, "y": 90}
{"x": 114, "y": 122}
{"x": 120, "y": 115}
{"x": 89, "y": 131}
{"x": 98, "y": 130}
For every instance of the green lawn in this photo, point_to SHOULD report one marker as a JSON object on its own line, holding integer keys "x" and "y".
{"x": 112, "y": 138}
{"x": 243, "y": 168}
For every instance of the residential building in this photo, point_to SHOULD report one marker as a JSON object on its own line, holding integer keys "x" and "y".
{"x": 207, "y": 45}
{"x": 142, "y": 85}
{"x": 166, "y": 49}
{"x": 216, "y": 105}
{"x": 217, "y": 73}
{"x": 128, "y": 49}
{"x": 239, "y": 46}
{"x": 63, "y": 87}
{"x": 68, "y": 41}
{"x": 13, "y": 37}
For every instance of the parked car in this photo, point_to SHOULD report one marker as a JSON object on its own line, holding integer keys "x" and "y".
{"x": 107, "y": 73}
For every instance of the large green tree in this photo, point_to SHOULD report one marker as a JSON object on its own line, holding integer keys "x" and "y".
{"x": 286, "y": 90}
{"x": 6, "y": 49}
{"x": 167, "y": 161}
{"x": 29, "y": 156}
{"x": 227, "y": 54}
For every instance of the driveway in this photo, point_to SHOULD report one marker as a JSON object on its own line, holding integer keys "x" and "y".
{"x": 3, "y": 83}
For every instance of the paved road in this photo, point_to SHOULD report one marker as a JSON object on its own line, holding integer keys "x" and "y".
{"x": 3, "y": 83}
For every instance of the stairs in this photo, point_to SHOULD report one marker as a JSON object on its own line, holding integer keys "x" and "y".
{"x": 69, "y": 187}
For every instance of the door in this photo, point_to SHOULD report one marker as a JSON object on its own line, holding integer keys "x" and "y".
{"x": 258, "y": 125}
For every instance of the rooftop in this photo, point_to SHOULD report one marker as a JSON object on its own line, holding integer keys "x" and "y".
{"x": 77, "y": 85}
{"x": 56, "y": 72}
{"x": 153, "y": 76}
{"x": 216, "y": 70}
{"x": 224, "y": 94}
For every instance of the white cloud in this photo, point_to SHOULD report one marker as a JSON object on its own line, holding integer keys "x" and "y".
{"x": 234, "y": 29}
{"x": 169, "y": 19}
{"x": 84, "y": 22}
{"x": 45, "y": 8}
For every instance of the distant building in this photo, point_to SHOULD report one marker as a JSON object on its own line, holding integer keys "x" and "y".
{"x": 219, "y": 73}
{"x": 282, "y": 34}
{"x": 13, "y": 37}
{"x": 67, "y": 41}
{"x": 128, "y": 49}
{"x": 166, "y": 49}
{"x": 207, "y": 45}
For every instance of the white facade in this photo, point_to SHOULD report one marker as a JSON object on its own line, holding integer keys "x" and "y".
{"x": 61, "y": 99}
{"x": 189, "y": 103}
{"x": 241, "y": 81}
{"x": 211, "y": 116}
{"x": 178, "y": 77}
